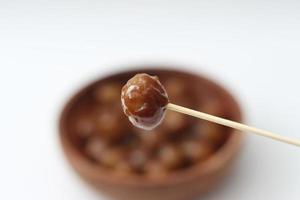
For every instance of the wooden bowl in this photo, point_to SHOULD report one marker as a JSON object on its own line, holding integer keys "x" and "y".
{"x": 179, "y": 185}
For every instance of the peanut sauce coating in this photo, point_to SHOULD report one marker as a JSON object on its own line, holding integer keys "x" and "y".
{"x": 144, "y": 101}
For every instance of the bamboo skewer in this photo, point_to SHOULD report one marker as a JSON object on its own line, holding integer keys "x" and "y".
{"x": 232, "y": 124}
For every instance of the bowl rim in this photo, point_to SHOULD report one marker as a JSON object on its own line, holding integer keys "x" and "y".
{"x": 98, "y": 174}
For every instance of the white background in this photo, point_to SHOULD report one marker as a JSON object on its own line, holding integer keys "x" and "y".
{"x": 48, "y": 49}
